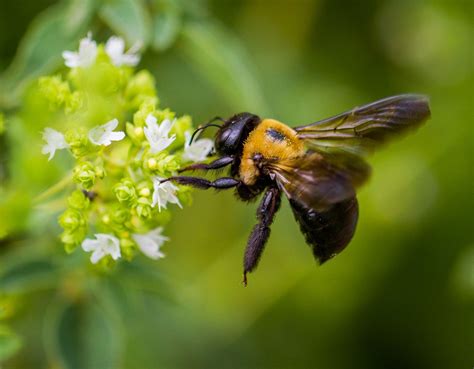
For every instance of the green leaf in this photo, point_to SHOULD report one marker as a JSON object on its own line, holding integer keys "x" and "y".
{"x": 10, "y": 343}
{"x": 128, "y": 18}
{"x": 166, "y": 26}
{"x": 82, "y": 335}
{"x": 222, "y": 60}
{"x": 53, "y": 31}
{"x": 28, "y": 275}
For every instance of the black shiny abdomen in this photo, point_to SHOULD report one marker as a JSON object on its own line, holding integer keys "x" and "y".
{"x": 328, "y": 232}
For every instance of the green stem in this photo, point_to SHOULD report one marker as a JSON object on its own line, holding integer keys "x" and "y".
{"x": 63, "y": 183}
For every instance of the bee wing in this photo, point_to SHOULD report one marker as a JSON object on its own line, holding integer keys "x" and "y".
{"x": 365, "y": 128}
{"x": 321, "y": 192}
{"x": 317, "y": 181}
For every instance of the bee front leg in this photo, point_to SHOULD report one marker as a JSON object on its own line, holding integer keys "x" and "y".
{"x": 260, "y": 233}
{"x": 216, "y": 164}
{"x": 204, "y": 184}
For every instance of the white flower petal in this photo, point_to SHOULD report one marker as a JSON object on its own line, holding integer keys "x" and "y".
{"x": 86, "y": 55}
{"x": 157, "y": 135}
{"x": 104, "y": 244}
{"x": 111, "y": 125}
{"x": 97, "y": 255}
{"x": 150, "y": 119}
{"x": 198, "y": 150}
{"x": 117, "y": 136}
{"x": 130, "y": 59}
{"x": 164, "y": 193}
{"x": 54, "y": 141}
{"x": 115, "y": 48}
{"x": 165, "y": 127}
{"x": 150, "y": 243}
{"x": 89, "y": 245}
{"x": 71, "y": 59}
{"x": 104, "y": 135}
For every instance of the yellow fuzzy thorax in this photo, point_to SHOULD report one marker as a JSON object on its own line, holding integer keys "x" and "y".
{"x": 272, "y": 139}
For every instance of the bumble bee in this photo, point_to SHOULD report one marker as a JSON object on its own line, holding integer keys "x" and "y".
{"x": 318, "y": 167}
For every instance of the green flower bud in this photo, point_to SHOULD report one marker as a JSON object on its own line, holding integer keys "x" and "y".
{"x": 161, "y": 115}
{"x": 84, "y": 174}
{"x": 100, "y": 170}
{"x": 127, "y": 248}
{"x": 102, "y": 56}
{"x": 161, "y": 163}
{"x": 100, "y": 79}
{"x": 71, "y": 241}
{"x": 78, "y": 142}
{"x": 119, "y": 215}
{"x": 141, "y": 88}
{"x": 55, "y": 90}
{"x": 75, "y": 229}
{"x": 145, "y": 189}
{"x": 78, "y": 200}
{"x": 74, "y": 102}
{"x": 125, "y": 191}
{"x": 71, "y": 220}
{"x": 134, "y": 133}
{"x": 143, "y": 208}
{"x": 147, "y": 107}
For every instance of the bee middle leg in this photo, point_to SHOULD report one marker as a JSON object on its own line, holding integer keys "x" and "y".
{"x": 216, "y": 164}
{"x": 265, "y": 214}
{"x": 203, "y": 184}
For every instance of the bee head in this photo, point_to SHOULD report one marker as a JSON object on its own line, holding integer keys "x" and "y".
{"x": 233, "y": 133}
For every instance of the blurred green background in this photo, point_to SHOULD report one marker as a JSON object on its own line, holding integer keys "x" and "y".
{"x": 400, "y": 296}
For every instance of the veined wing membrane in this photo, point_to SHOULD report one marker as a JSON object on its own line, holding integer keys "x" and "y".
{"x": 317, "y": 182}
{"x": 363, "y": 129}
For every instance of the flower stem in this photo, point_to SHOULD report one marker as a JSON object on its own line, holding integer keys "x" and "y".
{"x": 63, "y": 183}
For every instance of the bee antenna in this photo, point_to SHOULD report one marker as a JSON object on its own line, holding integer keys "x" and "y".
{"x": 202, "y": 127}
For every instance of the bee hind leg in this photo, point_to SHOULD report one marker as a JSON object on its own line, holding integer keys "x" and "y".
{"x": 265, "y": 214}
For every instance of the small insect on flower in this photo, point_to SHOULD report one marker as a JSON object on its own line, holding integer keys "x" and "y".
{"x": 86, "y": 55}
{"x": 151, "y": 242}
{"x": 164, "y": 193}
{"x": 157, "y": 135}
{"x": 104, "y": 244}
{"x": 104, "y": 134}
{"x": 54, "y": 141}
{"x": 318, "y": 167}
{"x": 115, "y": 49}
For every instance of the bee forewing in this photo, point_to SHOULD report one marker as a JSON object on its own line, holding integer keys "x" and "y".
{"x": 365, "y": 128}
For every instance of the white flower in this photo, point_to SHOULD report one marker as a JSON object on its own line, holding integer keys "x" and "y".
{"x": 150, "y": 243}
{"x": 104, "y": 135}
{"x": 164, "y": 193}
{"x": 86, "y": 55}
{"x": 198, "y": 150}
{"x": 157, "y": 135}
{"x": 115, "y": 48}
{"x": 54, "y": 141}
{"x": 105, "y": 244}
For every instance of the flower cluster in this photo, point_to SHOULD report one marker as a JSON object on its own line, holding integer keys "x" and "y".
{"x": 108, "y": 118}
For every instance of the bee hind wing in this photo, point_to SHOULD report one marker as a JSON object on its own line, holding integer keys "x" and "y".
{"x": 319, "y": 181}
{"x": 321, "y": 192}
